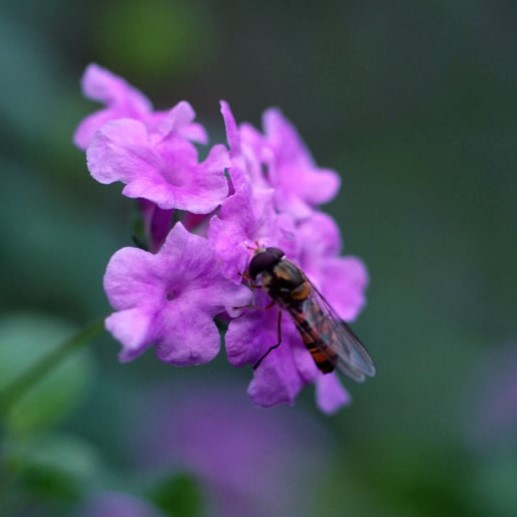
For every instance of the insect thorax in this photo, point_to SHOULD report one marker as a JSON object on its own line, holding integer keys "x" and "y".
{"x": 286, "y": 284}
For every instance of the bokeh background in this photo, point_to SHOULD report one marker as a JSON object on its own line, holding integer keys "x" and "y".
{"x": 415, "y": 104}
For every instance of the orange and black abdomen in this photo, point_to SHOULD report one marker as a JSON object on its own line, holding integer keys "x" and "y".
{"x": 315, "y": 331}
{"x": 329, "y": 340}
{"x": 287, "y": 285}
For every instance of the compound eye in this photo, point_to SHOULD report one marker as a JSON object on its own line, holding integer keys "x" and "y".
{"x": 263, "y": 261}
{"x": 277, "y": 252}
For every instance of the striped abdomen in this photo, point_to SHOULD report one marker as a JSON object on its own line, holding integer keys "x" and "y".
{"x": 316, "y": 333}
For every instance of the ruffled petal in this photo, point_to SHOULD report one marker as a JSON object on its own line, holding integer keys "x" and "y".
{"x": 299, "y": 184}
{"x": 89, "y": 125}
{"x": 207, "y": 185}
{"x": 344, "y": 281}
{"x": 319, "y": 187}
{"x": 131, "y": 277}
{"x": 320, "y": 238}
{"x": 330, "y": 393}
{"x": 249, "y": 336}
{"x": 120, "y": 98}
{"x": 284, "y": 138}
{"x": 133, "y": 328}
{"x": 186, "y": 336}
{"x": 232, "y": 131}
{"x": 101, "y": 85}
{"x": 180, "y": 121}
{"x": 165, "y": 172}
{"x": 154, "y": 189}
{"x": 230, "y": 244}
{"x": 120, "y": 151}
{"x": 276, "y": 380}
{"x": 189, "y": 258}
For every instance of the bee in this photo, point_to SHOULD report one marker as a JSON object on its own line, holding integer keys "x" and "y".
{"x": 329, "y": 340}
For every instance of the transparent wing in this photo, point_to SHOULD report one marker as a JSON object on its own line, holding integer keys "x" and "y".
{"x": 333, "y": 337}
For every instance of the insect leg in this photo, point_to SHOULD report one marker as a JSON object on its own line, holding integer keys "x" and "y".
{"x": 252, "y": 286}
{"x": 271, "y": 348}
{"x": 249, "y": 282}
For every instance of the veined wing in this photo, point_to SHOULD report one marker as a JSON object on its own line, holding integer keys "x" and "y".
{"x": 321, "y": 327}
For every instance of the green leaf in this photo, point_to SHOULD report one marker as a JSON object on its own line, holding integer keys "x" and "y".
{"x": 158, "y": 37}
{"x": 24, "y": 340}
{"x": 57, "y": 466}
{"x": 178, "y": 495}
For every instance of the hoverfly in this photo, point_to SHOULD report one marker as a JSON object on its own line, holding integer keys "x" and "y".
{"x": 328, "y": 339}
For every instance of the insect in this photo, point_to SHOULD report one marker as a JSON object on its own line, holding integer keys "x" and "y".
{"x": 330, "y": 341}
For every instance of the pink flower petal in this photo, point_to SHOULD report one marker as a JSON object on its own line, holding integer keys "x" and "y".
{"x": 330, "y": 394}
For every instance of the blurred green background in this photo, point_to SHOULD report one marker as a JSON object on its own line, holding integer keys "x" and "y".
{"x": 415, "y": 104}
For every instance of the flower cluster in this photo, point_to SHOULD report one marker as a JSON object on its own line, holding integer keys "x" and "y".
{"x": 203, "y": 221}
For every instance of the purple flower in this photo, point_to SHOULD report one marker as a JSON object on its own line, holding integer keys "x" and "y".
{"x": 122, "y": 101}
{"x": 342, "y": 280}
{"x": 248, "y": 215}
{"x": 245, "y": 218}
{"x": 157, "y": 223}
{"x": 298, "y": 183}
{"x": 491, "y": 424}
{"x": 245, "y": 145}
{"x": 249, "y": 461}
{"x": 330, "y": 394}
{"x": 278, "y": 159}
{"x": 115, "y": 504}
{"x": 170, "y": 299}
{"x": 282, "y": 374}
{"x": 264, "y": 191}
{"x": 253, "y": 216}
{"x": 159, "y": 166}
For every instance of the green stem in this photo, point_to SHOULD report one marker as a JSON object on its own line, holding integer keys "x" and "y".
{"x": 16, "y": 389}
